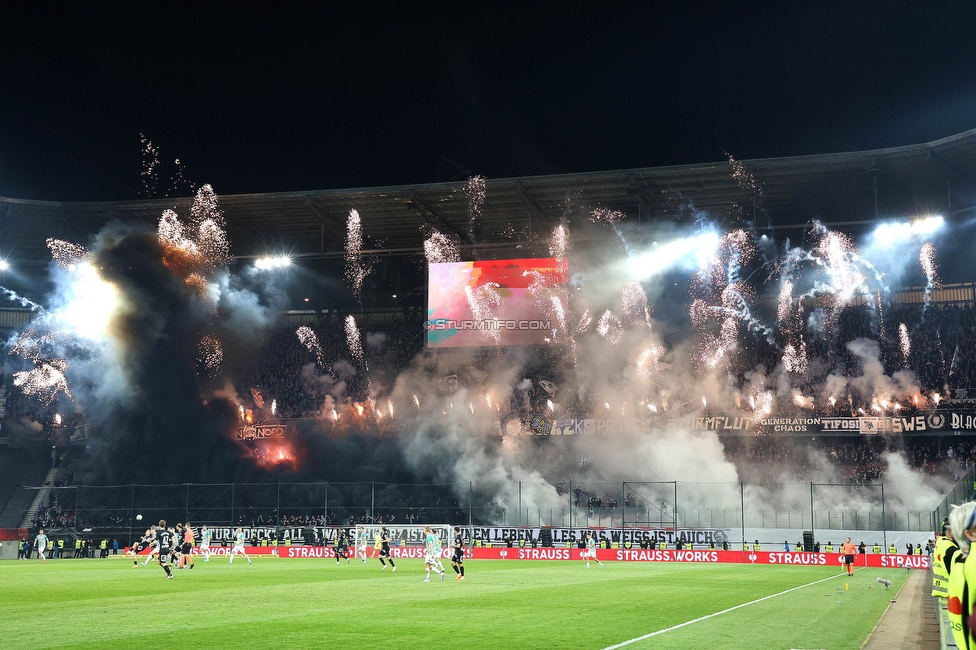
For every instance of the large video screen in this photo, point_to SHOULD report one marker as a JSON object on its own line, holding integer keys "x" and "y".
{"x": 495, "y": 302}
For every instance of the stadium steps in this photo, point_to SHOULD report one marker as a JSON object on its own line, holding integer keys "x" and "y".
{"x": 39, "y": 498}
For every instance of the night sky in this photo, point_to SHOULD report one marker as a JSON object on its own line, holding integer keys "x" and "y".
{"x": 421, "y": 92}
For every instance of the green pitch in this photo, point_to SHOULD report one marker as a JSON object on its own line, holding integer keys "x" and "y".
{"x": 502, "y": 604}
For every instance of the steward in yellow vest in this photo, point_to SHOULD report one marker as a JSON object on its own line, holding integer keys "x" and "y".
{"x": 829, "y": 548}
{"x": 945, "y": 548}
{"x": 877, "y": 548}
{"x": 662, "y": 546}
{"x": 892, "y": 550}
{"x": 960, "y": 602}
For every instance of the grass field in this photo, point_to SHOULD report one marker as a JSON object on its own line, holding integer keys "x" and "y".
{"x": 503, "y": 604}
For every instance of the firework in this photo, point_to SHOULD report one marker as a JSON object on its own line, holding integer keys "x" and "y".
{"x": 416, "y": 402}
{"x": 634, "y": 304}
{"x": 211, "y": 353}
{"x": 274, "y": 407}
{"x": 438, "y": 248}
{"x": 785, "y": 305}
{"x": 474, "y": 189}
{"x": 354, "y": 341}
{"x": 904, "y": 343}
{"x": 483, "y": 302}
{"x": 66, "y": 254}
{"x": 926, "y": 258}
{"x": 308, "y": 338}
{"x": 606, "y": 216}
{"x": 795, "y": 358}
{"x": 357, "y": 268}
{"x": 743, "y": 176}
{"x": 389, "y": 406}
{"x": 209, "y": 228}
{"x": 44, "y": 383}
{"x": 647, "y": 362}
{"x": 584, "y": 322}
{"x": 610, "y": 328}
{"x": 559, "y": 242}
{"x": 150, "y": 165}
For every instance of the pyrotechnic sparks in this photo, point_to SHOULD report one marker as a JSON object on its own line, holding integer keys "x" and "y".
{"x": 240, "y": 411}
{"x": 44, "y": 383}
{"x": 354, "y": 341}
{"x": 357, "y": 267}
{"x": 211, "y": 353}
{"x": 274, "y": 407}
{"x": 795, "y": 358}
{"x": 930, "y": 267}
{"x": 647, "y": 362}
{"x": 606, "y": 216}
{"x": 416, "y": 402}
{"x": 57, "y": 419}
{"x": 66, "y": 254}
{"x": 743, "y": 176}
{"x": 559, "y": 242}
{"x": 610, "y": 328}
{"x": 207, "y": 222}
{"x": 307, "y": 337}
{"x": 474, "y": 189}
{"x": 438, "y": 248}
{"x": 389, "y": 406}
{"x": 785, "y": 305}
{"x": 904, "y": 343}
{"x": 634, "y": 304}
{"x": 483, "y": 302}
{"x": 200, "y": 246}
{"x": 150, "y": 164}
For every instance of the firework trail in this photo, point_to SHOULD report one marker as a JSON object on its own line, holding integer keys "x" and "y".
{"x": 474, "y": 189}
{"x": 744, "y": 177}
{"x": 308, "y": 338}
{"x": 930, "y": 267}
{"x": 354, "y": 341}
{"x": 559, "y": 242}
{"x": 904, "y": 343}
{"x": 611, "y": 218}
{"x": 483, "y": 302}
{"x": 438, "y": 249}
{"x": 357, "y": 268}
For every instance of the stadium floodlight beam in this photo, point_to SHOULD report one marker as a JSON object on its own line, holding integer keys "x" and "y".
{"x": 268, "y": 262}
{"x": 4, "y": 265}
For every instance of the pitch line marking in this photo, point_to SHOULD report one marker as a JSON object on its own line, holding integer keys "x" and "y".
{"x": 724, "y": 611}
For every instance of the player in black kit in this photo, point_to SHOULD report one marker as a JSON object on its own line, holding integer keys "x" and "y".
{"x": 342, "y": 547}
{"x": 457, "y": 561}
{"x": 166, "y": 538}
{"x": 385, "y": 549}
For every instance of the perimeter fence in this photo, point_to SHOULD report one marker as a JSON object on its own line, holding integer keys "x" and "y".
{"x": 674, "y": 504}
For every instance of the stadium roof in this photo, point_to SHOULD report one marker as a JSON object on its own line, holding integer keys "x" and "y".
{"x": 938, "y": 176}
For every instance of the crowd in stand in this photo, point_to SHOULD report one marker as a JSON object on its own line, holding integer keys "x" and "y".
{"x": 860, "y": 460}
{"x": 53, "y": 517}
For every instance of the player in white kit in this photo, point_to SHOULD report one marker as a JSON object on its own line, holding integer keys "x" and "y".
{"x": 590, "y": 552}
{"x": 239, "y": 547}
{"x": 205, "y": 535}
